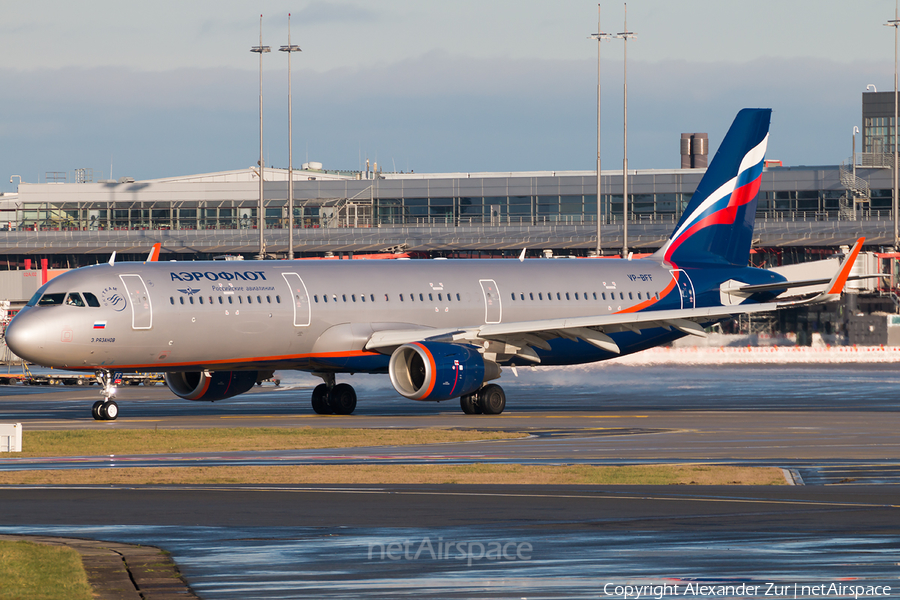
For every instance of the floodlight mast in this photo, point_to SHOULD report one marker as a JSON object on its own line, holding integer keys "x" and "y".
{"x": 290, "y": 48}
{"x": 261, "y": 216}
{"x": 895, "y": 23}
{"x": 625, "y": 35}
{"x": 600, "y": 37}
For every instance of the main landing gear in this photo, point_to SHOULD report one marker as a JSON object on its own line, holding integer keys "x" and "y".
{"x": 333, "y": 399}
{"x": 489, "y": 400}
{"x": 106, "y": 409}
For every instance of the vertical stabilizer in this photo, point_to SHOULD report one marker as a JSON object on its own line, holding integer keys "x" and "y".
{"x": 717, "y": 225}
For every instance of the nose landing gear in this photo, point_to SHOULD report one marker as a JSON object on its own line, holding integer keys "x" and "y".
{"x": 106, "y": 409}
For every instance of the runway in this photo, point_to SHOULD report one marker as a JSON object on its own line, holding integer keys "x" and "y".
{"x": 835, "y": 428}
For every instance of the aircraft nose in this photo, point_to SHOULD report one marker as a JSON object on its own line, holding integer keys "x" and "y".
{"x": 23, "y": 338}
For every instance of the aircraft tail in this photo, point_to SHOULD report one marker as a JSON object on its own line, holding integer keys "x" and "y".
{"x": 717, "y": 225}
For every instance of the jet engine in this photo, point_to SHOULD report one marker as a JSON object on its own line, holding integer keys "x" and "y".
{"x": 439, "y": 371}
{"x": 210, "y": 386}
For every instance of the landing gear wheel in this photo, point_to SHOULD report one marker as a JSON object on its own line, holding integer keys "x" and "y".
{"x": 108, "y": 411}
{"x": 342, "y": 399}
{"x": 95, "y": 410}
{"x": 320, "y": 400}
{"x": 470, "y": 404}
{"x": 493, "y": 400}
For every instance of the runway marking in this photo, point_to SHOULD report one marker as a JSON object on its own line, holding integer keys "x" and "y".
{"x": 594, "y": 416}
{"x": 606, "y": 496}
{"x": 277, "y": 416}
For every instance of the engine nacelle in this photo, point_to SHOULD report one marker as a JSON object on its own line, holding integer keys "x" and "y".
{"x": 204, "y": 385}
{"x": 438, "y": 371}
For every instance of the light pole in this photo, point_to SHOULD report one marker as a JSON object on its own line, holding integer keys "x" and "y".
{"x": 290, "y": 49}
{"x": 600, "y": 37}
{"x": 261, "y": 217}
{"x": 895, "y": 23}
{"x": 624, "y": 35}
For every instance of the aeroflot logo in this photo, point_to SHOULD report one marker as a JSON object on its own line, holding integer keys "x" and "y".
{"x": 219, "y": 275}
{"x": 111, "y": 297}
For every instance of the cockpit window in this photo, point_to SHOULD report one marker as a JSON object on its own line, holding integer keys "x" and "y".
{"x": 54, "y": 299}
{"x": 74, "y": 299}
{"x": 91, "y": 300}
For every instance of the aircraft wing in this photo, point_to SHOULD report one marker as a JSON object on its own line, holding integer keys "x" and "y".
{"x": 519, "y": 338}
{"x": 522, "y": 335}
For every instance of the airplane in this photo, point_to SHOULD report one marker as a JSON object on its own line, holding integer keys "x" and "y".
{"x": 441, "y": 329}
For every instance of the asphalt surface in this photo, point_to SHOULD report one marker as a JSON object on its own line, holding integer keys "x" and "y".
{"x": 833, "y": 428}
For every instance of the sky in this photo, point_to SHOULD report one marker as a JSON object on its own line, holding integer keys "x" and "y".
{"x": 162, "y": 89}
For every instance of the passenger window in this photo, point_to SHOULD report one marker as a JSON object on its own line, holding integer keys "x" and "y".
{"x": 220, "y": 299}
{"x": 531, "y": 295}
{"x": 52, "y": 299}
{"x": 344, "y": 297}
{"x": 595, "y": 296}
{"x": 269, "y": 299}
{"x": 540, "y": 296}
{"x": 316, "y": 298}
{"x": 639, "y": 295}
{"x": 353, "y": 297}
{"x": 230, "y": 299}
{"x": 363, "y": 296}
{"x": 201, "y": 299}
{"x": 372, "y": 297}
{"x": 421, "y": 298}
{"x": 630, "y": 296}
{"x": 430, "y": 298}
{"x": 258, "y": 299}
{"x": 604, "y": 295}
{"x": 386, "y": 299}
{"x": 181, "y": 299}
{"x": 249, "y": 299}
{"x": 567, "y": 296}
{"x": 171, "y": 300}
{"x": 449, "y": 297}
{"x": 240, "y": 299}
{"x": 278, "y": 299}
{"x": 401, "y": 297}
{"x": 441, "y": 297}
{"x": 91, "y": 300}
{"x": 576, "y": 295}
{"x": 621, "y": 295}
{"x": 191, "y": 299}
{"x": 549, "y": 295}
{"x": 558, "y": 297}
{"x": 457, "y": 297}
{"x": 325, "y": 298}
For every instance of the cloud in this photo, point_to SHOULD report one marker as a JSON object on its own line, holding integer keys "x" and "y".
{"x": 337, "y": 12}
{"x": 437, "y": 112}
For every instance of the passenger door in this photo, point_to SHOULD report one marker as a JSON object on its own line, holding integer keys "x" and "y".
{"x": 493, "y": 311}
{"x": 685, "y": 287}
{"x": 299, "y": 298}
{"x": 139, "y": 298}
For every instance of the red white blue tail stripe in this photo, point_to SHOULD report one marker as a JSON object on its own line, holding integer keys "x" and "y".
{"x": 717, "y": 225}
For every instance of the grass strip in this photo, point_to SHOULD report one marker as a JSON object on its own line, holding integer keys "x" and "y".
{"x": 169, "y": 441}
{"x": 412, "y": 474}
{"x": 39, "y": 572}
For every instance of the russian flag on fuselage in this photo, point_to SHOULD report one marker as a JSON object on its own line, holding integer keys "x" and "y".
{"x": 717, "y": 225}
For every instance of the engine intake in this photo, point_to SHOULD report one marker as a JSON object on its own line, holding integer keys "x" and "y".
{"x": 437, "y": 371}
{"x": 207, "y": 386}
